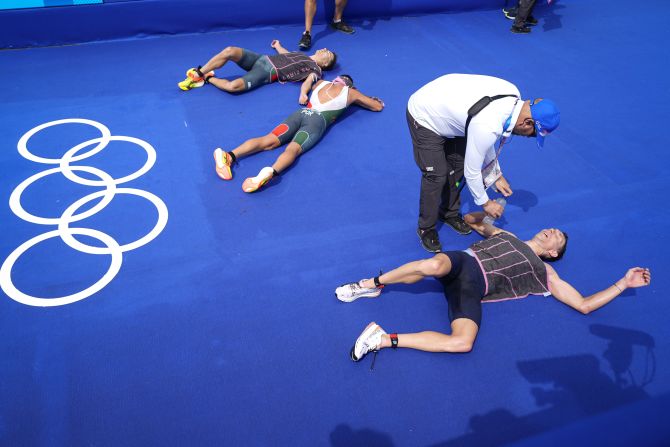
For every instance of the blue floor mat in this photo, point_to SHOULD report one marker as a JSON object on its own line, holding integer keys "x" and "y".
{"x": 223, "y": 329}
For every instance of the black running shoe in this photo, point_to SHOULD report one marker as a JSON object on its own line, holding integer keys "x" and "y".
{"x": 430, "y": 240}
{"x": 520, "y": 29}
{"x": 458, "y": 224}
{"x": 305, "y": 41}
{"x": 341, "y": 26}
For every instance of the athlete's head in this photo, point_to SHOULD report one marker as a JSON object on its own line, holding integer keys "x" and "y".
{"x": 325, "y": 58}
{"x": 344, "y": 80}
{"x": 553, "y": 242}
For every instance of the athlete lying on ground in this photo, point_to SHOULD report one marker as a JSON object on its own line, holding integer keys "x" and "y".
{"x": 301, "y": 130}
{"x": 501, "y": 267}
{"x": 285, "y": 66}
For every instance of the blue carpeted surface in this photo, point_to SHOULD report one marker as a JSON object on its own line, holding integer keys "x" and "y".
{"x": 224, "y": 330}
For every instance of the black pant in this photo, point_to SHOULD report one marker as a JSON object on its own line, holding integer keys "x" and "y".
{"x": 441, "y": 162}
{"x": 524, "y": 9}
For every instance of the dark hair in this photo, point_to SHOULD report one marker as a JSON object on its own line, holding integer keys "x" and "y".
{"x": 561, "y": 251}
{"x": 348, "y": 78}
{"x": 331, "y": 64}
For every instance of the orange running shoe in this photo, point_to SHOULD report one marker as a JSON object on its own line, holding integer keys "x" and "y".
{"x": 223, "y": 160}
{"x": 193, "y": 79}
{"x": 255, "y": 183}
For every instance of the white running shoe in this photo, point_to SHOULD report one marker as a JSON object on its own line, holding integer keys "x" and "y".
{"x": 368, "y": 341}
{"x": 353, "y": 291}
{"x": 255, "y": 183}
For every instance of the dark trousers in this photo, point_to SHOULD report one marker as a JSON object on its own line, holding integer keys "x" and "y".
{"x": 524, "y": 9}
{"x": 441, "y": 162}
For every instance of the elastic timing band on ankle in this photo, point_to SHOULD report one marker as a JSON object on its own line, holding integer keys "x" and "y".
{"x": 233, "y": 158}
{"x": 376, "y": 280}
{"x": 197, "y": 70}
{"x": 394, "y": 340}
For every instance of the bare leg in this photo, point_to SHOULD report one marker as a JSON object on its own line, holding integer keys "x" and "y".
{"x": 287, "y": 157}
{"x": 437, "y": 266}
{"x": 234, "y": 86}
{"x": 310, "y": 11}
{"x": 265, "y": 143}
{"x": 228, "y": 54}
{"x": 462, "y": 338}
{"x": 339, "y": 9}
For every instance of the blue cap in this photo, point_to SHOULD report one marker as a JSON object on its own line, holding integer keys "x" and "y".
{"x": 546, "y": 117}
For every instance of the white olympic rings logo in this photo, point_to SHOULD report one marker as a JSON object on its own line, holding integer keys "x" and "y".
{"x": 64, "y": 231}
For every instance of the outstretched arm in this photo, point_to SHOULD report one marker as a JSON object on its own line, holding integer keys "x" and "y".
{"x": 565, "y": 293}
{"x": 368, "y": 102}
{"x": 311, "y": 81}
{"x": 277, "y": 46}
{"x": 476, "y": 222}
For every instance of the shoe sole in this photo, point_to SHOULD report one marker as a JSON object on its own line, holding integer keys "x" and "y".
{"x": 363, "y": 295}
{"x": 187, "y": 85}
{"x": 255, "y": 187}
{"x": 369, "y": 330}
{"x": 222, "y": 169}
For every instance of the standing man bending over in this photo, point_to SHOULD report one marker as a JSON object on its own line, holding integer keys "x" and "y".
{"x": 302, "y": 130}
{"x": 285, "y": 66}
{"x": 445, "y": 138}
{"x": 501, "y": 267}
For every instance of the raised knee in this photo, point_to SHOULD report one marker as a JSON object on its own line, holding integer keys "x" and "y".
{"x": 465, "y": 347}
{"x": 227, "y": 52}
{"x": 431, "y": 267}
{"x": 436, "y": 267}
{"x": 459, "y": 345}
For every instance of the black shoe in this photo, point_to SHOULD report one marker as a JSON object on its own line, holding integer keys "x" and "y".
{"x": 531, "y": 21}
{"x": 458, "y": 224}
{"x": 341, "y": 26}
{"x": 520, "y": 29}
{"x": 305, "y": 41}
{"x": 510, "y": 13}
{"x": 430, "y": 240}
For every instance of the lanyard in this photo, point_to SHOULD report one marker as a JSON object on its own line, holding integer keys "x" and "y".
{"x": 461, "y": 183}
{"x": 503, "y": 139}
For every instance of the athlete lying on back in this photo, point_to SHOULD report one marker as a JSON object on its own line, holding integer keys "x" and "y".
{"x": 285, "y": 66}
{"x": 301, "y": 130}
{"x": 499, "y": 268}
